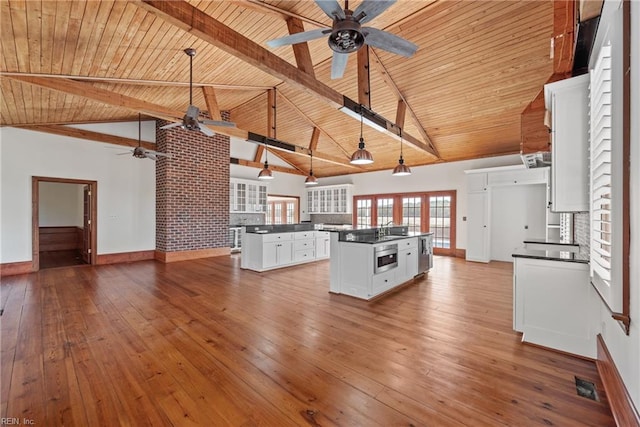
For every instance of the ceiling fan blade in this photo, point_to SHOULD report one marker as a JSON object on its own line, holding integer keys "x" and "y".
{"x": 298, "y": 37}
{"x": 338, "y": 64}
{"x": 389, "y": 42}
{"x": 124, "y": 154}
{"x": 206, "y": 131}
{"x": 371, "y": 9}
{"x": 332, "y": 8}
{"x": 220, "y": 123}
{"x": 151, "y": 156}
{"x": 157, "y": 153}
{"x": 171, "y": 125}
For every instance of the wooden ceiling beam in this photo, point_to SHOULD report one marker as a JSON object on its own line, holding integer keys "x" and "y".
{"x": 262, "y": 7}
{"x": 258, "y": 165}
{"x": 140, "y": 82}
{"x": 315, "y": 136}
{"x": 196, "y": 22}
{"x": 300, "y": 50}
{"x": 212, "y": 103}
{"x": 401, "y": 111}
{"x": 364, "y": 82}
{"x": 72, "y": 132}
{"x": 386, "y": 77}
{"x": 86, "y": 90}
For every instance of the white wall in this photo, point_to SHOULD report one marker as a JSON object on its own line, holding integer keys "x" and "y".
{"x": 126, "y": 188}
{"x": 442, "y": 176}
{"x": 60, "y": 204}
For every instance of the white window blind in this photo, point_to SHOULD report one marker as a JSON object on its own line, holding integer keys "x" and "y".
{"x": 600, "y": 155}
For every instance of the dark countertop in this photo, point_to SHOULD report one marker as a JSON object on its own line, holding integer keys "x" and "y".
{"x": 581, "y": 256}
{"x": 278, "y": 228}
{"x": 549, "y": 242}
{"x": 372, "y": 238}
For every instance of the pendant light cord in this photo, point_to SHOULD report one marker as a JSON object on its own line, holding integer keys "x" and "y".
{"x": 401, "y": 144}
{"x": 190, "y": 79}
{"x": 361, "y": 122}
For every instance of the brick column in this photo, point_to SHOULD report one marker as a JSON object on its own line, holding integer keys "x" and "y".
{"x": 192, "y": 195}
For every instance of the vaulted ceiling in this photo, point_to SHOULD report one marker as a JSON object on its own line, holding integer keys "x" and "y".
{"x": 460, "y": 96}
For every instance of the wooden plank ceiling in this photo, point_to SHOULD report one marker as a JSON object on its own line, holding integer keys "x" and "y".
{"x": 478, "y": 65}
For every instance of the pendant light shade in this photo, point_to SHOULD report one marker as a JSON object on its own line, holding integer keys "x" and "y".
{"x": 311, "y": 180}
{"x": 361, "y": 156}
{"x": 401, "y": 169}
{"x": 265, "y": 173}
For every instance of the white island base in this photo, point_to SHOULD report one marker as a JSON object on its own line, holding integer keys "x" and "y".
{"x": 352, "y": 267}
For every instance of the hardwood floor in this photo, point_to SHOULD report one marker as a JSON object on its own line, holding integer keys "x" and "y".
{"x": 205, "y": 343}
{"x": 63, "y": 258}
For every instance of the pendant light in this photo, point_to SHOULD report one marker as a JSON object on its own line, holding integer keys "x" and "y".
{"x": 266, "y": 173}
{"x": 311, "y": 180}
{"x": 361, "y": 156}
{"x": 401, "y": 169}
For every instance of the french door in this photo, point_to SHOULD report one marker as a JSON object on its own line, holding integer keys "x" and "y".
{"x": 422, "y": 212}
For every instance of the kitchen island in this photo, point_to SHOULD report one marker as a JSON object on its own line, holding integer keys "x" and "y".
{"x": 267, "y": 247}
{"x": 368, "y": 263}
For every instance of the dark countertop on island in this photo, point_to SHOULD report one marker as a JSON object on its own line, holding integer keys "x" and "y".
{"x": 582, "y": 256}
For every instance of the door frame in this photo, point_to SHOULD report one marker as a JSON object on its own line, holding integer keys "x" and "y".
{"x": 35, "y": 215}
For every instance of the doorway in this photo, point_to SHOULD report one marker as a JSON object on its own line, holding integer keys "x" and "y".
{"x": 64, "y": 215}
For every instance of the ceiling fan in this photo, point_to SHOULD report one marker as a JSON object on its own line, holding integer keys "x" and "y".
{"x": 348, "y": 35}
{"x": 192, "y": 120}
{"x": 140, "y": 152}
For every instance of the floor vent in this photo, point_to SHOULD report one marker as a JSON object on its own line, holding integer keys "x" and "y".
{"x": 586, "y": 389}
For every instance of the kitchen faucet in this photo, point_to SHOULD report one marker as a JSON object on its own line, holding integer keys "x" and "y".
{"x": 384, "y": 229}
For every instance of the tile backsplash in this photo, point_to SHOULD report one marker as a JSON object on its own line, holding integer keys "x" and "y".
{"x": 246, "y": 219}
{"x": 331, "y": 218}
{"x": 581, "y": 229}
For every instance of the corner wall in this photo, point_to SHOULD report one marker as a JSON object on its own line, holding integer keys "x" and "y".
{"x": 126, "y": 189}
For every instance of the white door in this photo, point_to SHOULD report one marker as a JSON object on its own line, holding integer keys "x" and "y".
{"x": 517, "y": 213}
{"x": 477, "y": 227}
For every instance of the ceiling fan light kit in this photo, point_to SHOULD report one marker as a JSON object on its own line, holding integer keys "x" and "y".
{"x": 347, "y": 34}
{"x": 191, "y": 120}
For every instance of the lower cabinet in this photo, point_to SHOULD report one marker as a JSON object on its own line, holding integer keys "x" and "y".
{"x": 275, "y": 254}
{"x": 261, "y": 252}
{"x": 407, "y": 259}
{"x": 555, "y": 305}
{"x": 323, "y": 243}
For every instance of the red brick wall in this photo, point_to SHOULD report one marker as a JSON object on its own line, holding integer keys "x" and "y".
{"x": 192, "y": 190}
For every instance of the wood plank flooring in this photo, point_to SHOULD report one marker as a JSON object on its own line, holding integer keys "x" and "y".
{"x": 204, "y": 343}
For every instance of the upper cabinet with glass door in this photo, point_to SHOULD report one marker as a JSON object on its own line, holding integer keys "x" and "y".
{"x": 330, "y": 199}
{"x": 247, "y": 196}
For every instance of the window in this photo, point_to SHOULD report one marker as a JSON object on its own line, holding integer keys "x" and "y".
{"x": 384, "y": 211}
{"x": 610, "y": 145}
{"x": 411, "y": 213}
{"x": 440, "y": 220}
{"x": 282, "y": 210}
{"x": 363, "y": 213}
{"x": 421, "y": 212}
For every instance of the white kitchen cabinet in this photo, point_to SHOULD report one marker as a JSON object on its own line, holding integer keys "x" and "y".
{"x": 267, "y": 251}
{"x": 246, "y": 196}
{"x": 323, "y": 243}
{"x": 276, "y": 254}
{"x": 331, "y": 199}
{"x": 568, "y": 102}
{"x": 407, "y": 264}
{"x": 555, "y": 305}
{"x": 480, "y": 183}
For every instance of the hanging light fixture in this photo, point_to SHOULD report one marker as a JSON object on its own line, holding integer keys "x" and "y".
{"x": 266, "y": 173}
{"x": 401, "y": 169}
{"x": 361, "y": 156}
{"x": 311, "y": 180}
